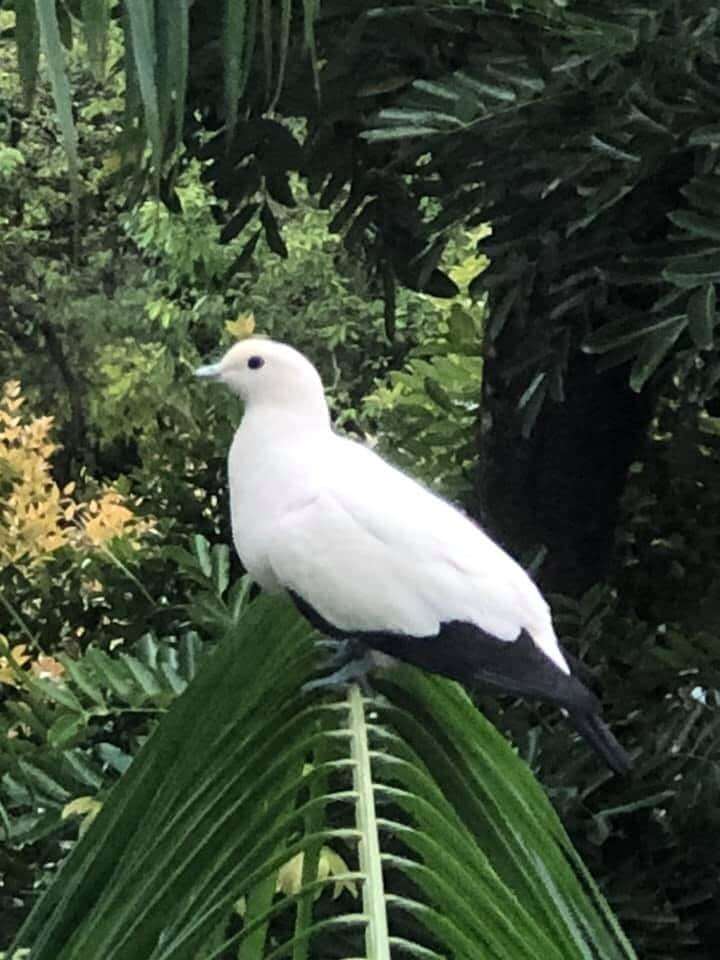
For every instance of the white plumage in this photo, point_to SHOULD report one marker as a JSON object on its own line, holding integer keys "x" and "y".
{"x": 370, "y": 550}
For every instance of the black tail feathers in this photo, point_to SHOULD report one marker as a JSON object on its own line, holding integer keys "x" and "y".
{"x": 596, "y": 732}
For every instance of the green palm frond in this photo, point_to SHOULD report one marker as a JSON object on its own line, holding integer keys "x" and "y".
{"x": 440, "y": 842}
{"x": 50, "y": 40}
{"x": 587, "y": 137}
{"x": 157, "y": 44}
{"x": 588, "y": 140}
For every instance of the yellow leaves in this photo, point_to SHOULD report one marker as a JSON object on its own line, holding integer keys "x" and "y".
{"x": 242, "y": 327}
{"x": 37, "y": 518}
{"x": 289, "y": 878}
{"x": 31, "y": 440}
{"x": 43, "y": 667}
{"x": 47, "y": 668}
{"x": 467, "y": 268}
{"x": 17, "y": 657}
{"x": 330, "y": 864}
{"x": 106, "y": 518}
{"x": 86, "y": 807}
{"x": 80, "y": 807}
{"x": 29, "y": 527}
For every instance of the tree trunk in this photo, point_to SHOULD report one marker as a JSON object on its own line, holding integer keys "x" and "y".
{"x": 561, "y": 488}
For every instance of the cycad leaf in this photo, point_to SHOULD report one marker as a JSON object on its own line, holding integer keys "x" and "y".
{"x": 96, "y": 22}
{"x": 696, "y": 223}
{"x": 652, "y": 353}
{"x": 267, "y": 36}
{"x": 692, "y": 270}
{"x": 310, "y": 10}
{"x": 55, "y": 57}
{"x": 618, "y": 333}
{"x": 454, "y": 848}
{"x": 28, "y": 47}
{"x": 285, "y": 20}
{"x": 701, "y": 316}
{"x": 376, "y": 931}
{"x": 172, "y": 65}
{"x": 238, "y": 40}
{"x": 141, "y": 14}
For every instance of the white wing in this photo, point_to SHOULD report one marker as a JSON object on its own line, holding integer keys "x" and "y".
{"x": 372, "y": 550}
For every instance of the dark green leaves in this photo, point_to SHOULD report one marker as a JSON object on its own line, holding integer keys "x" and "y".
{"x": 55, "y": 58}
{"x": 453, "y": 104}
{"x": 622, "y": 332}
{"x": 520, "y": 132}
{"x": 142, "y": 27}
{"x": 461, "y": 328}
{"x": 311, "y": 8}
{"x": 422, "y": 805}
{"x": 695, "y": 223}
{"x": 28, "y": 47}
{"x": 694, "y": 269}
{"x": 65, "y": 729}
{"x": 239, "y": 45}
{"x": 172, "y": 66}
{"x": 701, "y": 316}
{"x": 654, "y": 350}
{"x": 286, "y": 16}
{"x": 272, "y": 231}
{"x": 96, "y": 22}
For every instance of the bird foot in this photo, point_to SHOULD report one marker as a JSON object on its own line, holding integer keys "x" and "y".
{"x": 342, "y": 652}
{"x": 354, "y": 670}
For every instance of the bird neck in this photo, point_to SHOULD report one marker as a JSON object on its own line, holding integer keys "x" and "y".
{"x": 298, "y": 421}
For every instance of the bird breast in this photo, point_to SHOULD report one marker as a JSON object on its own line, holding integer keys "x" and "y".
{"x": 267, "y": 480}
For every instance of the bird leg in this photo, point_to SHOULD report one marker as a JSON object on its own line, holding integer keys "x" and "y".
{"x": 343, "y": 652}
{"x": 349, "y": 668}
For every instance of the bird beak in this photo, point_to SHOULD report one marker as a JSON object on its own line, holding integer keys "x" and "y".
{"x": 210, "y": 371}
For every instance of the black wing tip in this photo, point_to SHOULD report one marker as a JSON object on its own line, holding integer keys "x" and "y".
{"x": 520, "y": 668}
{"x": 598, "y": 735}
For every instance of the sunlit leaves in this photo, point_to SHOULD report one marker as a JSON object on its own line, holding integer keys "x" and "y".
{"x": 38, "y": 518}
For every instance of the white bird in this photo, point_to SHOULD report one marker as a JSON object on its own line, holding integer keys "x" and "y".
{"x": 366, "y": 552}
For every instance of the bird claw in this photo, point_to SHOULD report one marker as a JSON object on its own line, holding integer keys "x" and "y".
{"x": 352, "y": 671}
{"x": 343, "y": 652}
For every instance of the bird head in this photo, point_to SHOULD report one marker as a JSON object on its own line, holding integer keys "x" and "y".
{"x": 267, "y": 373}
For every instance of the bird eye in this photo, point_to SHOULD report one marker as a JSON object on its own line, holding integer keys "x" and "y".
{"x": 255, "y": 363}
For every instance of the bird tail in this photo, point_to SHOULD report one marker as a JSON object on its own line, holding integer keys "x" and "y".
{"x": 596, "y": 732}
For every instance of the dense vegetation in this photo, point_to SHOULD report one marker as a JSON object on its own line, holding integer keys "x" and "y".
{"x": 111, "y": 590}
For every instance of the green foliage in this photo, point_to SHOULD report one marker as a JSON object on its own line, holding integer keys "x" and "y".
{"x": 71, "y": 727}
{"x": 10, "y": 160}
{"x": 453, "y": 845}
{"x": 646, "y": 640}
{"x": 128, "y": 328}
{"x": 591, "y": 143}
{"x": 596, "y": 132}
{"x": 426, "y": 417}
{"x": 571, "y": 151}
